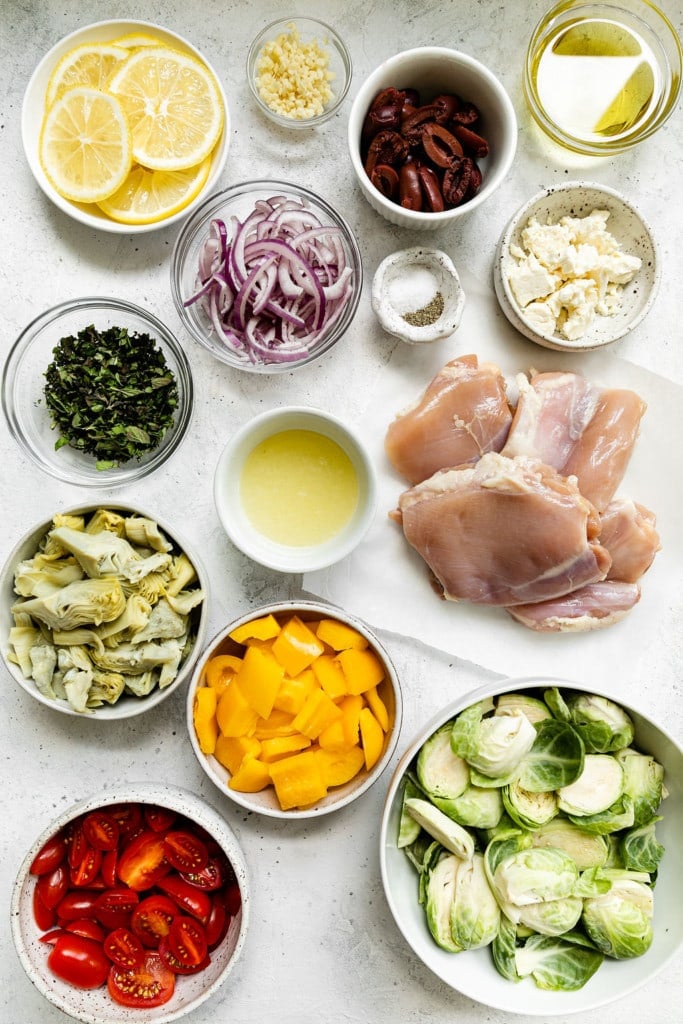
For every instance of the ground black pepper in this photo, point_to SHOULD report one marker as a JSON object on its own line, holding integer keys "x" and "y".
{"x": 428, "y": 314}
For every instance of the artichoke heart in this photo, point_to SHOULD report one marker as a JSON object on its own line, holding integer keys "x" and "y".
{"x": 100, "y": 554}
{"x": 90, "y": 601}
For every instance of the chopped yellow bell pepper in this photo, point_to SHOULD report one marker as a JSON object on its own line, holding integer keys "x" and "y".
{"x": 296, "y": 646}
{"x": 363, "y": 669}
{"x": 278, "y": 723}
{"x": 264, "y": 628}
{"x": 231, "y": 750}
{"x": 351, "y": 708}
{"x": 204, "y": 718}
{"x": 333, "y": 737}
{"x": 340, "y": 766}
{"x": 298, "y": 780}
{"x": 378, "y": 707}
{"x": 372, "y": 737}
{"x": 220, "y": 669}
{"x": 317, "y": 713}
{"x": 251, "y": 777}
{"x": 259, "y": 679}
{"x": 234, "y": 714}
{"x": 293, "y": 691}
{"x": 329, "y": 675}
{"x": 339, "y": 636}
{"x": 279, "y": 746}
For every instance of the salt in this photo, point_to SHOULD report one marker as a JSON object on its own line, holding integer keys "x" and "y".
{"x": 413, "y": 289}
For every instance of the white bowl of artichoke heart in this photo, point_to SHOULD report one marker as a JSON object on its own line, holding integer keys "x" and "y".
{"x": 103, "y": 611}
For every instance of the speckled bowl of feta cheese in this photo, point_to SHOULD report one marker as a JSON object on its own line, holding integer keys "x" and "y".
{"x": 576, "y": 267}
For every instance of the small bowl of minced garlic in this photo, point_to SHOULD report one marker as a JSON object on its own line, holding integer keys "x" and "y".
{"x": 417, "y": 295}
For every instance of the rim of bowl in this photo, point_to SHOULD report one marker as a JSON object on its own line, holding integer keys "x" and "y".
{"x": 183, "y": 801}
{"x": 197, "y": 224}
{"x": 363, "y": 99}
{"x": 565, "y": 138}
{"x": 133, "y": 706}
{"x": 131, "y": 470}
{"x": 80, "y": 211}
{"x": 318, "y": 810}
{"x": 281, "y": 557}
{"x": 455, "y": 707}
{"x": 502, "y": 284}
{"x": 334, "y": 40}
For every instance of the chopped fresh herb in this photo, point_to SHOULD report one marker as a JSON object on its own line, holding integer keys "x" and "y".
{"x": 110, "y": 394}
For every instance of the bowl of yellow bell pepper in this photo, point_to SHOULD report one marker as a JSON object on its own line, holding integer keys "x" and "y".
{"x": 295, "y": 709}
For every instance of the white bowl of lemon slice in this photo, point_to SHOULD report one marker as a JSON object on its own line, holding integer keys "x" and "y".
{"x": 107, "y": 151}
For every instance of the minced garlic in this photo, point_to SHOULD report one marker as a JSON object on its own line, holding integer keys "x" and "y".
{"x": 293, "y": 77}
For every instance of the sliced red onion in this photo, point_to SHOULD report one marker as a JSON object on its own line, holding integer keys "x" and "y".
{"x": 275, "y": 283}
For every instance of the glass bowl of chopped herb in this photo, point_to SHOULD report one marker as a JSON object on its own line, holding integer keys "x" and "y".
{"x": 97, "y": 391}
{"x": 299, "y": 71}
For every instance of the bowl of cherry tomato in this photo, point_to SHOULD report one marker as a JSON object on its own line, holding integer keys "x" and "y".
{"x": 131, "y": 900}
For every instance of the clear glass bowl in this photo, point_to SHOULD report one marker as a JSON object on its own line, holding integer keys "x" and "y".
{"x": 308, "y": 30}
{"x": 602, "y": 77}
{"x": 23, "y": 381}
{"x": 239, "y": 201}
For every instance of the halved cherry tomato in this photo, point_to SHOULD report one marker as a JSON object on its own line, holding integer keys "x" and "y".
{"x": 45, "y": 917}
{"x": 187, "y": 940}
{"x": 209, "y": 878}
{"x": 149, "y": 984}
{"x": 53, "y": 887}
{"x": 80, "y": 962}
{"x": 88, "y": 868}
{"x": 49, "y": 856}
{"x": 114, "y": 907}
{"x": 175, "y": 965}
{"x": 101, "y": 830}
{"x": 188, "y": 897}
{"x": 143, "y": 861}
{"x": 108, "y": 869}
{"x": 77, "y": 844}
{"x": 159, "y": 819}
{"x": 128, "y": 817}
{"x": 86, "y": 927}
{"x": 124, "y": 948}
{"x": 233, "y": 899}
{"x": 51, "y": 937}
{"x": 185, "y": 851}
{"x": 77, "y": 903}
{"x": 217, "y": 924}
{"x": 151, "y": 919}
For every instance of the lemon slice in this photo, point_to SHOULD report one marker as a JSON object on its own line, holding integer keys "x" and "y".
{"x": 90, "y": 64}
{"x": 147, "y": 197}
{"x": 173, "y": 106}
{"x": 85, "y": 145}
{"x": 134, "y": 39}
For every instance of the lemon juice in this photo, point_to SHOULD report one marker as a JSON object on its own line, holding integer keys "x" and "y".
{"x": 597, "y": 79}
{"x": 298, "y": 488}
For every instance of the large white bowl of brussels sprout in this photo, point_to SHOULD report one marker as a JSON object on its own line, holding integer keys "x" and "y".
{"x": 531, "y": 846}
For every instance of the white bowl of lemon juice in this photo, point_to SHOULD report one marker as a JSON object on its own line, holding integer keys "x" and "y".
{"x": 295, "y": 489}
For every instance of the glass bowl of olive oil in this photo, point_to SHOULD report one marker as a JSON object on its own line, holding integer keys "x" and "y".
{"x": 602, "y": 77}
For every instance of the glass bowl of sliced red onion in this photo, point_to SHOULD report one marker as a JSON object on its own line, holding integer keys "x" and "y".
{"x": 266, "y": 275}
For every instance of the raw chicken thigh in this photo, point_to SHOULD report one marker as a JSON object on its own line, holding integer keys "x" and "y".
{"x": 627, "y": 530}
{"x": 504, "y": 532}
{"x": 462, "y": 414}
{"x": 591, "y": 607}
{"x": 579, "y": 428}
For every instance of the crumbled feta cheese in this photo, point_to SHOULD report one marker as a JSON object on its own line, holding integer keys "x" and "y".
{"x": 575, "y": 268}
{"x": 293, "y": 77}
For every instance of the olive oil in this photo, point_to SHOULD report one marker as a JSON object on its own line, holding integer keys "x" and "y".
{"x": 597, "y": 79}
{"x": 298, "y": 488}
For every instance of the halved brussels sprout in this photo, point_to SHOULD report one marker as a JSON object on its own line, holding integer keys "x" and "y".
{"x": 520, "y": 703}
{"x": 440, "y": 889}
{"x": 442, "y": 828}
{"x": 534, "y": 875}
{"x": 586, "y": 850}
{"x": 495, "y": 745}
{"x": 475, "y": 914}
{"x": 599, "y": 785}
{"x": 475, "y": 808}
{"x": 529, "y": 810}
{"x": 441, "y": 772}
{"x": 603, "y": 725}
{"x": 620, "y": 921}
{"x": 643, "y": 783}
{"x": 552, "y": 917}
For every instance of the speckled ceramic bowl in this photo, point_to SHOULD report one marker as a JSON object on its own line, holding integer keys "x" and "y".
{"x": 127, "y": 705}
{"x": 265, "y": 801}
{"x": 95, "y": 1006}
{"x": 412, "y": 315}
{"x": 472, "y": 972}
{"x": 627, "y": 226}
{"x": 33, "y": 110}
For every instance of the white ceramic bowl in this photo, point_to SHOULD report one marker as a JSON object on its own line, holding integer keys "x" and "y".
{"x": 95, "y": 1006}
{"x": 393, "y": 302}
{"x": 433, "y": 70}
{"x": 472, "y": 973}
{"x": 33, "y": 109}
{"x": 23, "y": 386}
{"x": 228, "y": 499}
{"x": 127, "y": 705}
{"x": 308, "y": 30}
{"x": 265, "y": 801}
{"x": 628, "y": 227}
